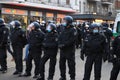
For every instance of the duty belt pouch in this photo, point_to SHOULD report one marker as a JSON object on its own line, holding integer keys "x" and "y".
{"x": 116, "y": 61}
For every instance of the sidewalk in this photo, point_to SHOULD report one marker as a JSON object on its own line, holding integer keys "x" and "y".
{"x": 79, "y": 70}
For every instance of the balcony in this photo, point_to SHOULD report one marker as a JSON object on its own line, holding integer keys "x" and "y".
{"x": 93, "y": 0}
{"x": 108, "y": 2}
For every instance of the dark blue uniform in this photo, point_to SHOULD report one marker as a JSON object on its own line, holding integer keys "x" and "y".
{"x": 35, "y": 50}
{"x": 4, "y": 32}
{"x": 50, "y": 45}
{"x": 116, "y": 60}
{"x": 94, "y": 48}
{"x": 67, "y": 51}
{"x": 18, "y": 40}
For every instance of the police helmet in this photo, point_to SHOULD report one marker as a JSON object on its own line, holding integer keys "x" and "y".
{"x": 51, "y": 27}
{"x": 38, "y": 21}
{"x": 17, "y": 23}
{"x": 36, "y": 25}
{"x": 95, "y": 25}
{"x": 49, "y": 21}
{"x": 2, "y": 22}
{"x": 105, "y": 25}
{"x": 68, "y": 19}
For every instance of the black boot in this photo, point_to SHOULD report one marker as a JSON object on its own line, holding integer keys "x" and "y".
{"x": 15, "y": 73}
{"x": 62, "y": 78}
{"x": 50, "y": 79}
{"x": 35, "y": 76}
{"x": 4, "y": 71}
{"x": 40, "y": 78}
{"x": 26, "y": 74}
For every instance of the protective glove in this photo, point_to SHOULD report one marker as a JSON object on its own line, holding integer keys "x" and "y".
{"x": 82, "y": 55}
{"x": 105, "y": 57}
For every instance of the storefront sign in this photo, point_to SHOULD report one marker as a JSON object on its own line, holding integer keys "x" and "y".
{"x": 99, "y": 20}
{"x": 60, "y": 15}
{"x": 49, "y": 15}
{"x": 35, "y": 13}
{"x": 14, "y": 11}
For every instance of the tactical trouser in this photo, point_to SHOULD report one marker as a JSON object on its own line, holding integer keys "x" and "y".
{"x": 3, "y": 56}
{"x": 68, "y": 55}
{"x": 115, "y": 71}
{"x": 50, "y": 53}
{"x": 95, "y": 59}
{"x": 18, "y": 54}
{"x": 36, "y": 56}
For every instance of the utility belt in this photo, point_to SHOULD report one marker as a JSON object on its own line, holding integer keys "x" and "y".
{"x": 116, "y": 61}
{"x": 3, "y": 45}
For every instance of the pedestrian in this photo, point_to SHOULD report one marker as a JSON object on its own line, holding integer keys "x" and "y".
{"x": 50, "y": 45}
{"x": 43, "y": 26}
{"x": 18, "y": 40}
{"x": 115, "y": 60}
{"x": 4, "y": 33}
{"x": 27, "y": 46}
{"x": 35, "y": 40}
{"x": 66, "y": 44}
{"x": 94, "y": 47}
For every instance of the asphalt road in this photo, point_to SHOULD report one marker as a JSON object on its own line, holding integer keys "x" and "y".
{"x": 106, "y": 68}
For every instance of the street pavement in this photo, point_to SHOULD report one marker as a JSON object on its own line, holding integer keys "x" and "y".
{"x": 106, "y": 68}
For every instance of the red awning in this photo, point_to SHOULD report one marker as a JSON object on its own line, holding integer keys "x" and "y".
{"x": 43, "y": 6}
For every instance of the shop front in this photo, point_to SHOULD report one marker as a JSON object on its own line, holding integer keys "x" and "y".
{"x": 27, "y": 13}
{"x": 93, "y": 17}
{"x": 15, "y": 14}
{"x": 50, "y": 16}
{"x": 60, "y": 18}
{"x": 35, "y": 15}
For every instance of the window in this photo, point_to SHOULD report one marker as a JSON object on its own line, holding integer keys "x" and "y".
{"x": 49, "y": 1}
{"x": 76, "y": 2}
{"x": 68, "y": 2}
{"x": 118, "y": 27}
{"x": 80, "y": 6}
{"x": 84, "y": 4}
{"x": 58, "y": 1}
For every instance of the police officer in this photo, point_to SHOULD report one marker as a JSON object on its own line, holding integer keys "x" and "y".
{"x": 50, "y": 45}
{"x": 94, "y": 47}
{"x": 35, "y": 39}
{"x": 78, "y": 37}
{"x": 66, "y": 44}
{"x": 18, "y": 40}
{"x": 108, "y": 34}
{"x": 116, "y": 58}
{"x": 4, "y": 32}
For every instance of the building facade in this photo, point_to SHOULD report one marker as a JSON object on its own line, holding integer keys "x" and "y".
{"x": 28, "y": 11}
{"x": 117, "y": 5}
{"x": 96, "y": 10}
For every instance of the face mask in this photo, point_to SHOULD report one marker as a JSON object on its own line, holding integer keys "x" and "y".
{"x": 95, "y": 31}
{"x": 48, "y": 30}
{"x": 64, "y": 24}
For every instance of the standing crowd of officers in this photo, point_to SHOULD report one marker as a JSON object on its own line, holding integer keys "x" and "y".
{"x": 94, "y": 40}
